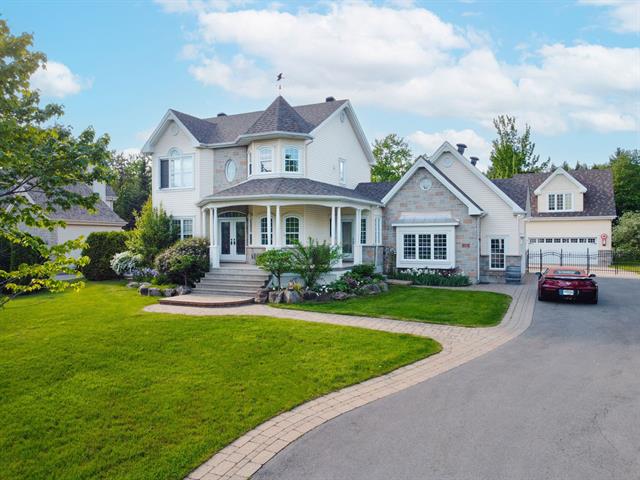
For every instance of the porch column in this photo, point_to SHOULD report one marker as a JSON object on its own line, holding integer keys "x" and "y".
{"x": 214, "y": 250}
{"x": 278, "y": 234}
{"x": 333, "y": 226}
{"x": 339, "y": 233}
{"x": 357, "y": 252}
{"x": 269, "y": 229}
{"x": 203, "y": 228}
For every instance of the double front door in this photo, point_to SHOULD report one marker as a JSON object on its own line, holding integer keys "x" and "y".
{"x": 233, "y": 239}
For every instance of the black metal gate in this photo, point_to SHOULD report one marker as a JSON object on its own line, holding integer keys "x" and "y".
{"x": 604, "y": 261}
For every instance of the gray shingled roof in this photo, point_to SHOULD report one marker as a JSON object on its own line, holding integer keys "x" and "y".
{"x": 103, "y": 213}
{"x": 374, "y": 190}
{"x": 286, "y": 186}
{"x": 598, "y": 199}
{"x": 279, "y": 116}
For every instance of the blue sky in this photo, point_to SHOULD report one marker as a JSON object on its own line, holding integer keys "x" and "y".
{"x": 426, "y": 70}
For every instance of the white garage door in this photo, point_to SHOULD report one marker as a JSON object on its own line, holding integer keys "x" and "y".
{"x": 564, "y": 250}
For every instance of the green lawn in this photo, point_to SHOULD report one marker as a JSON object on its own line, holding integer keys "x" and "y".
{"x": 464, "y": 308}
{"x": 93, "y": 387}
{"x": 629, "y": 267}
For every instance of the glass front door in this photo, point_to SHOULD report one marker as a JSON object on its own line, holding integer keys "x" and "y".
{"x": 347, "y": 239}
{"x": 233, "y": 239}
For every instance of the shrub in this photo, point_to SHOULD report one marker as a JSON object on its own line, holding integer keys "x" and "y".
{"x": 364, "y": 269}
{"x": 185, "y": 262}
{"x": 153, "y": 233}
{"x": 434, "y": 278}
{"x": 12, "y": 255}
{"x": 626, "y": 234}
{"x": 124, "y": 263}
{"x": 276, "y": 262}
{"x": 313, "y": 260}
{"x": 100, "y": 248}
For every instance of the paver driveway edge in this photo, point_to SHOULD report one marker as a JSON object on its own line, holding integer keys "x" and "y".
{"x": 245, "y": 456}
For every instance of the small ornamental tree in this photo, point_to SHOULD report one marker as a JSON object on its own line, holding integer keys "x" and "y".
{"x": 153, "y": 233}
{"x": 313, "y": 260}
{"x": 276, "y": 262}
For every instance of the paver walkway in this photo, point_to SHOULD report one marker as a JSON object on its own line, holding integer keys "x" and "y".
{"x": 246, "y": 455}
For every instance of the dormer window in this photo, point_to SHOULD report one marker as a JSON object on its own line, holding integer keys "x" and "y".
{"x": 560, "y": 202}
{"x": 265, "y": 159}
{"x": 292, "y": 160}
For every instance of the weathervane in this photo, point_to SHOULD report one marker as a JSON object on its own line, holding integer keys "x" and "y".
{"x": 279, "y": 79}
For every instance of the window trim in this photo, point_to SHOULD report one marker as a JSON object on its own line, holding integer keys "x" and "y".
{"x": 172, "y": 155}
{"x": 182, "y": 220}
{"x": 284, "y": 159}
{"x": 364, "y": 222}
{"x": 430, "y": 262}
{"x": 260, "y": 233}
{"x": 564, "y": 202}
{"x": 259, "y": 151}
{"x": 284, "y": 226}
{"x": 504, "y": 252}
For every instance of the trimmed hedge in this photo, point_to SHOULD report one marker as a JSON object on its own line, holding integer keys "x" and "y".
{"x": 101, "y": 247}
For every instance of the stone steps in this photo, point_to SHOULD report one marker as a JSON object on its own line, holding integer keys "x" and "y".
{"x": 233, "y": 281}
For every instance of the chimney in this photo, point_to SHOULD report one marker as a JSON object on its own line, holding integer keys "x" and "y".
{"x": 330, "y": 99}
{"x": 222, "y": 114}
{"x": 461, "y": 148}
{"x": 474, "y": 160}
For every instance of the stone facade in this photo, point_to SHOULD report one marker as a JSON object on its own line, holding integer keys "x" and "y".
{"x": 437, "y": 200}
{"x": 220, "y": 158}
{"x": 496, "y": 276}
{"x": 373, "y": 254}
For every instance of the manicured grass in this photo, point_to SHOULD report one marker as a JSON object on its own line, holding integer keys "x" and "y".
{"x": 430, "y": 305}
{"x": 93, "y": 387}
{"x": 629, "y": 267}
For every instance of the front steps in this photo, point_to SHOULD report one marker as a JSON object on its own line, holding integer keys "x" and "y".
{"x": 232, "y": 280}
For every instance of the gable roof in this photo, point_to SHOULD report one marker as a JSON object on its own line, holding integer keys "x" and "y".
{"x": 564, "y": 173}
{"x": 599, "y": 198}
{"x": 374, "y": 190}
{"x": 422, "y": 162}
{"x": 223, "y": 129}
{"x": 285, "y": 187}
{"x": 103, "y": 213}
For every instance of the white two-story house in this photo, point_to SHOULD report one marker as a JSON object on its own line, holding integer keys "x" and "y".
{"x": 254, "y": 181}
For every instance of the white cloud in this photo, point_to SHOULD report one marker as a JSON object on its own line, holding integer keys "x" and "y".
{"x": 624, "y": 14}
{"x": 606, "y": 121}
{"x": 411, "y": 60}
{"x": 477, "y": 146}
{"x": 57, "y": 80}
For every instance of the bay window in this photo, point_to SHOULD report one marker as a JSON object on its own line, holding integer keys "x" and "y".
{"x": 425, "y": 247}
{"x": 265, "y": 160}
{"x": 292, "y": 160}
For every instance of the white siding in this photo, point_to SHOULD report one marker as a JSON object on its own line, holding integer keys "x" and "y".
{"x": 335, "y": 140}
{"x": 72, "y": 232}
{"x": 500, "y": 219}
{"x": 560, "y": 184}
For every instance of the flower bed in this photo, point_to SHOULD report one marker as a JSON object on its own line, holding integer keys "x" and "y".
{"x": 432, "y": 277}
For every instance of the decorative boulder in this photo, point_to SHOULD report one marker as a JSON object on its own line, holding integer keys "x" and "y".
{"x": 133, "y": 284}
{"x": 291, "y": 296}
{"x": 384, "y": 287}
{"x": 262, "y": 296}
{"x": 340, "y": 296}
{"x": 275, "y": 296}
{"x": 143, "y": 289}
{"x": 182, "y": 290}
{"x": 323, "y": 297}
{"x": 154, "y": 292}
{"x": 310, "y": 295}
{"x": 371, "y": 289}
{"x": 169, "y": 292}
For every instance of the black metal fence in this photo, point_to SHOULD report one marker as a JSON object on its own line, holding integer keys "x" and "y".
{"x": 605, "y": 261}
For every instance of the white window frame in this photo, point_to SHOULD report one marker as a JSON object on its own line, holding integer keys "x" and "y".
{"x": 266, "y": 231}
{"x": 564, "y": 196}
{"x": 284, "y": 159}
{"x": 342, "y": 170}
{"x": 284, "y": 226}
{"x": 378, "y": 230}
{"x": 429, "y": 261}
{"x": 181, "y": 221}
{"x": 177, "y": 161}
{"x": 260, "y": 160}
{"x": 504, "y": 252}
{"x": 364, "y": 234}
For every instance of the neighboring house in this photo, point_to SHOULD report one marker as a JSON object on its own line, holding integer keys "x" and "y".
{"x": 267, "y": 179}
{"x": 79, "y": 221}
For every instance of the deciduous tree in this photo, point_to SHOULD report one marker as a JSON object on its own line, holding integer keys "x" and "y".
{"x": 393, "y": 158}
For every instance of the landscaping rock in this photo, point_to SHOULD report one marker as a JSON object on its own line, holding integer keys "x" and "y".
{"x": 310, "y": 295}
{"x": 371, "y": 289}
{"x": 384, "y": 286}
{"x": 392, "y": 281}
{"x": 133, "y": 284}
{"x": 182, "y": 290}
{"x": 143, "y": 289}
{"x": 323, "y": 297}
{"x": 154, "y": 292}
{"x": 262, "y": 296}
{"x": 275, "y": 296}
{"x": 340, "y": 296}
{"x": 291, "y": 296}
{"x": 169, "y": 292}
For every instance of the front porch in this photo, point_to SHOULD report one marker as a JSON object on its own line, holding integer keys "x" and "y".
{"x": 239, "y": 231}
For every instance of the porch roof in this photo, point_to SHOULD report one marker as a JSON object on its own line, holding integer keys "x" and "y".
{"x": 286, "y": 187}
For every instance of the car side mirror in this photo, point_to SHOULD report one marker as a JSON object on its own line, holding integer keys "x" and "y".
{"x": 592, "y": 275}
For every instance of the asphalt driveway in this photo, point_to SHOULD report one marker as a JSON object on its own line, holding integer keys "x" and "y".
{"x": 562, "y": 401}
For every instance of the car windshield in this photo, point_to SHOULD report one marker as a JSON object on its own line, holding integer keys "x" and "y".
{"x": 567, "y": 272}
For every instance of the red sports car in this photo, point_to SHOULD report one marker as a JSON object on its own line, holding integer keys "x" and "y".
{"x": 567, "y": 283}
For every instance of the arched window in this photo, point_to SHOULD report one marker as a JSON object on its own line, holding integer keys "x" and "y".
{"x": 292, "y": 159}
{"x": 264, "y": 232}
{"x": 265, "y": 160}
{"x": 291, "y": 230}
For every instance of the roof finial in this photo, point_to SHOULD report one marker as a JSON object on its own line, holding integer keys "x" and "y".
{"x": 279, "y": 79}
